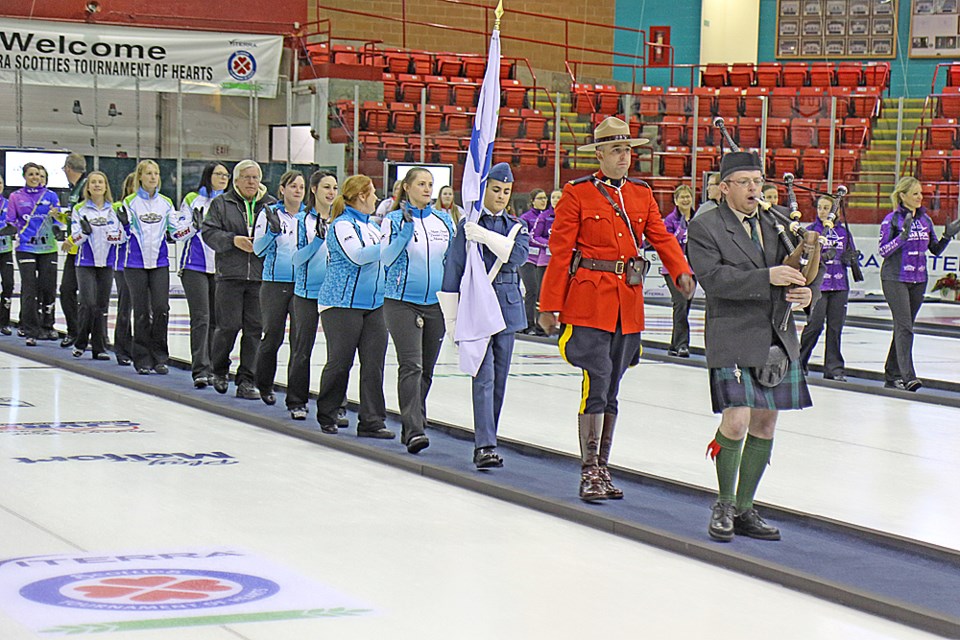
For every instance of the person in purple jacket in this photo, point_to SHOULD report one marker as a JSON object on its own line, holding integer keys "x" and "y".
{"x": 7, "y": 231}
{"x": 529, "y": 272}
{"x": 834, "y": 292}
{"x": 676, "y": 222}
{"x": 906, "y": 234}
{"x": 34, "y": 211}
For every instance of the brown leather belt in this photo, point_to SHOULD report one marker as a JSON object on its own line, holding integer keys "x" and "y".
{"x": 611, "y": 266}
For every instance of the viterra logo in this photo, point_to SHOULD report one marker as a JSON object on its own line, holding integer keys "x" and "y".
{"x": 149, "y": 590}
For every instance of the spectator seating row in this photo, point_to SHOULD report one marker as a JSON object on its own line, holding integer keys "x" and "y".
{"x": 800, "y": 133}
{"x": 399, "y": 61}
{"x": 453, "y": 150}
{"x": 797, "y": 74}
{"x": 405, "y": 117}
{"x": 784, "y": 102}
{"x": 811, "y": 164}
{"x": 595, "y": 98}
{"x": 936, "y": 165}
{"x": 443, "y": 90}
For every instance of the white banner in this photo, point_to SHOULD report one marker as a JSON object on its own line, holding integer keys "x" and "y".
{"x": 66, "y": 54}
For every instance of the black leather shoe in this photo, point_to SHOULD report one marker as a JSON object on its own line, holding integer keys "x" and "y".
{"x": 750, "y": 524}
{"x": 329, "y": 428}
{"x": 417, "y": 443}
{"x": 673, "y": 352}
{"x": 247, "y": 391}
{"x": 894, "y": 384}
{"x": 101, "y": 356}
{"x": 912, "y": 385}
{"x": 78, "y": 353}
{"x": 162, "y": 369}
{"x": 50, "y": 334}
{"x": 6, "y": 331}
{"x": 836, "y": 378}
{"x": 683, "y": 352}
{"x": 144, "y": 371}
{"x": 268, "y": 398}
{"x": 30, "y": 342}
{"x": 487, "y": 458}
{"x": 200, "y": 382}
{"x": 721, "y": 521}
{"x": 380, "y": 434}
{"x": 21, "y": 332}
{"x": 342, "y": 420}
{"x": 220, "y": 384}
{"x": 67, "y": 341}
{"x": 298, "y": 413}
{"x": 123, "y": 361}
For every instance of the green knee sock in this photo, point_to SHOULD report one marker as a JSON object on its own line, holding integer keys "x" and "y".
{"x": 756, "y": 456}
{"x": 728, "y": 464}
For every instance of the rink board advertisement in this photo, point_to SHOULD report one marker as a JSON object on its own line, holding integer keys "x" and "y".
{"x": 64, "y": 54}
{"x": 83, "y": 593}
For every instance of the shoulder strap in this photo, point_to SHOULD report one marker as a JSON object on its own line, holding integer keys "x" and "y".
{"x": 639, "y": 182}
{"x": 582, "y": 179}
{"x": 620, "y": 212}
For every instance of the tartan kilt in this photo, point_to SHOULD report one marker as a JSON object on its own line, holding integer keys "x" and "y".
{"x": 726, "y": 391}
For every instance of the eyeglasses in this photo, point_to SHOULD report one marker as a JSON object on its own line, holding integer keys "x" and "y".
{"x": 221, "y": 174}
{"x": 746, "y": 182}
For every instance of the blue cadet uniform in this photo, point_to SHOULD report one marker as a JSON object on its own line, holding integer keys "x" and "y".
{"x": 489, "y": 384}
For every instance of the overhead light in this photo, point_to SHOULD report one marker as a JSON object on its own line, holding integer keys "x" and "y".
{"x": 76, "y": 108}
{"x": 112, "y": 111}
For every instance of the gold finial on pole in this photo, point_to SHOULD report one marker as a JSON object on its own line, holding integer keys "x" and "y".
{"x": 498, "y": 12}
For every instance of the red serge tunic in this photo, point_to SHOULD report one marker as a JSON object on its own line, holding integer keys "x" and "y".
{"x": 585, "y": 220}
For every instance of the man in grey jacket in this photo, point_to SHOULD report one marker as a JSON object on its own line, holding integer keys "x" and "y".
{"x": 228, "y": 230}
{"x": 738, "y": 258}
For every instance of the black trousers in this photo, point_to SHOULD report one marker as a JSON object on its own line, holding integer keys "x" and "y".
{"x": 94, "y": 285}
{"x": 303, "y": 335}
{"x": 904, "y": 300}
{"x": 604, "y": 357}
{"x": 38, "y": 284}
{"x": 69, "y": 302}
{"x": 276, "y": 303}
{"x": 238, "y": 307}
{"x": 123, "y": 329}
{"x": 200, "y": 289}
{"x": 347, "y": 332}
{"x": 832, "y": 308}
{"x": 150, "y": 297}
{"x": 6, "y": 287}
{"x": 531, "y": 275}
{"x": 681, "y": 315}
{"x": 417, "y": 333}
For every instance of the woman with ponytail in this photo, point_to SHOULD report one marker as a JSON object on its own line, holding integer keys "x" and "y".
{"x": 352, "y": 294}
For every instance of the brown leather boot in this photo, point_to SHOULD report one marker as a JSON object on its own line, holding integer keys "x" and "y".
{"x": 591, "y": 486}
{"x": 606, "y": 441}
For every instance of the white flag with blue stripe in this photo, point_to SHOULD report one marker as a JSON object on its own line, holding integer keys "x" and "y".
{"x": 479, "y": 315}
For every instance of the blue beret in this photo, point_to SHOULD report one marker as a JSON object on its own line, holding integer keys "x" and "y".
{"x": 501, "y": 172}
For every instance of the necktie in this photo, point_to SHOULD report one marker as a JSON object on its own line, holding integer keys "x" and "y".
{"x": 754, "y": 232}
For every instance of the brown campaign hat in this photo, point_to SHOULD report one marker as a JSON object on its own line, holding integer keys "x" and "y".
{"x": 612, "y": 130}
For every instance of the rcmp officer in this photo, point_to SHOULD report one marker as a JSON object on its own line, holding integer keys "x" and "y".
{"x": 594, "y": 280}
{"x": 505, "y": 240}
{"x": 754, "y": 364}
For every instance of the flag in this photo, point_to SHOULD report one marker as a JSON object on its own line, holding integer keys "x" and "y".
{"x": 478, "y": 314}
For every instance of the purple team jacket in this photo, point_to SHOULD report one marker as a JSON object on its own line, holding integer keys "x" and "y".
{"x": 906, "y": 260}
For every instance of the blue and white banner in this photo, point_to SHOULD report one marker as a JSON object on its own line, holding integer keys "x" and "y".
{"x": 478, "y": 315}
{"x": 70, "y": 54}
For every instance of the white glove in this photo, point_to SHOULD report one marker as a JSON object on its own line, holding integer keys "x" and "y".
{"x": 501, "y": 246}
{"x": 449, "y": 302}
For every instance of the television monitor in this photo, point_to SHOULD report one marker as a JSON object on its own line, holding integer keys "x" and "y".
{"x": 442, "y": 174}
{"x": 52, "y": 161}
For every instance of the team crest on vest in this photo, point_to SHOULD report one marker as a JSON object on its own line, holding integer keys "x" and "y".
{"x": 150, "y": 217}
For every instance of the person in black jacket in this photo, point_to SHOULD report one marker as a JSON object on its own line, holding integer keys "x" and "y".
{"x": 228, "y": 230}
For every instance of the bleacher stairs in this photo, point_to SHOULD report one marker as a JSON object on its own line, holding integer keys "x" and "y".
{"x": 878, "y": 166}
{"x": 578, "y": 133}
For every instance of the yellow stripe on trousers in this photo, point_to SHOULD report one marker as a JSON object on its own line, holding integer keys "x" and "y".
{"x": 585, "y": 385}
